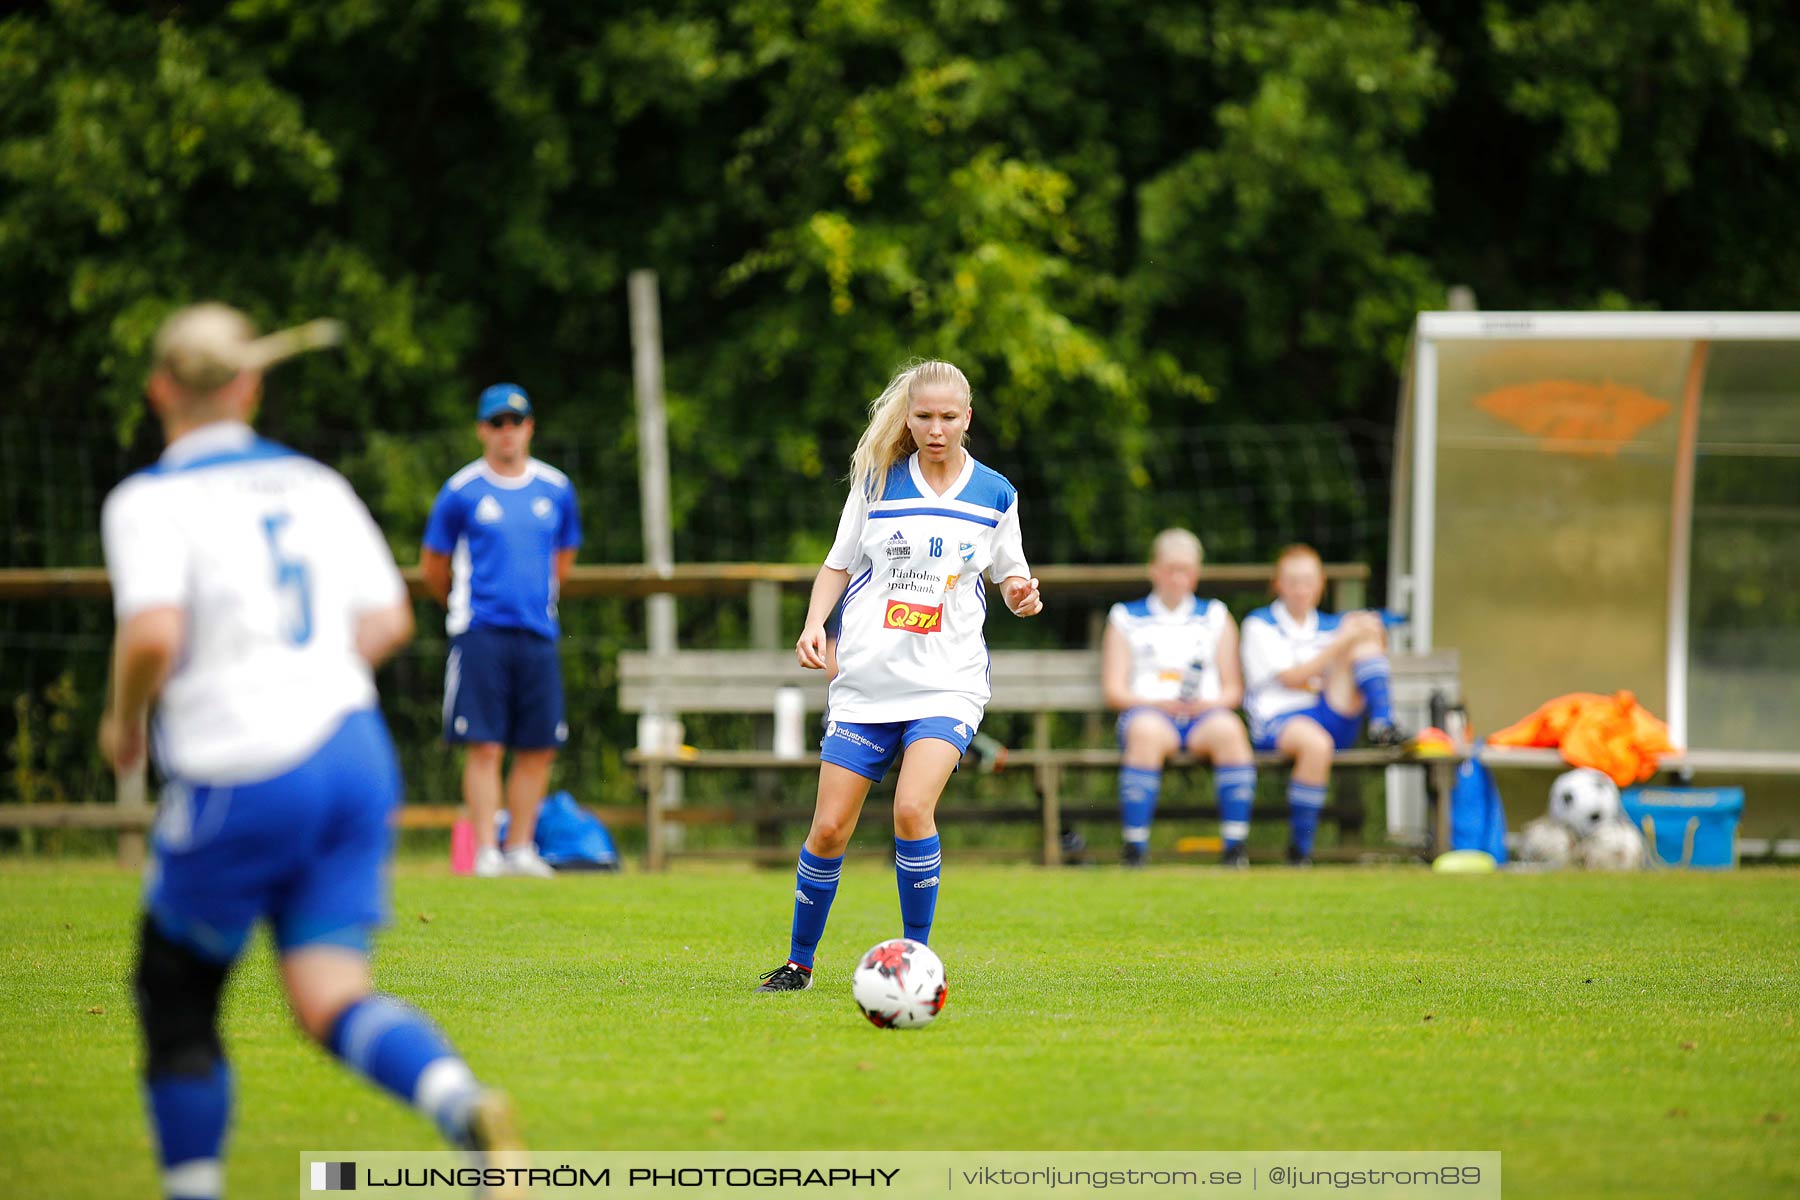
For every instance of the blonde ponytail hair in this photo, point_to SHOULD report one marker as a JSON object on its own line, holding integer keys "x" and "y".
{"x": 887, "y": 440}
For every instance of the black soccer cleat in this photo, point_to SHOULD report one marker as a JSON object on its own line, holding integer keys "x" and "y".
{"x": 1235, "y": 857}
{"x": 1387, "y": 735}
{"x": 1296, "y": 859}
{"x": 492, "y": 1133}
{"x": 788, "y": 977}
{"x": 1134, "y": 854}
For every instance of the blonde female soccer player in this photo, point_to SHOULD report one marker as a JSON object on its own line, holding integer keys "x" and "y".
{"x": 1169, "y": 665}
{"x": 924, "y": 523}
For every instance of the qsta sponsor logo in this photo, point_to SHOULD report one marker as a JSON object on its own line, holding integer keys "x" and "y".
{"x": 913, "y": 618}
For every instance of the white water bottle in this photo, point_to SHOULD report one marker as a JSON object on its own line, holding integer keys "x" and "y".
{"x": 1192, "y": 679}
{"x": 790, "y": 720}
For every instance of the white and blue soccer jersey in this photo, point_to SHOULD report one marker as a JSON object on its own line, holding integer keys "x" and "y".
{"x": 911, "y": 645}
{"x": 271, "y": 558}
{"x": 502, "y": 534}
{"x": 1164, "y": 641}
{"x": 1272, "y": 641}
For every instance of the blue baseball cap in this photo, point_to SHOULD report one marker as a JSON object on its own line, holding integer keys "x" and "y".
{"x": 502, "y": 398}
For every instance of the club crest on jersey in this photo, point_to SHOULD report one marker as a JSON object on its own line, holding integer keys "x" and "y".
{"x": 488, "y": 511}
{"x": 541, "y": 508}
{"x": 898, "y": 547}
{"x": 913, "y": 618}
{"x": 967, "y": 550}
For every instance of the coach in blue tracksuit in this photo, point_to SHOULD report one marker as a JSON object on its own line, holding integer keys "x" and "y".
{"x": 499, "y": 542}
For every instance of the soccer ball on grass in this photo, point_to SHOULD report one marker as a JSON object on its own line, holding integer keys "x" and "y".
{"x": 1615, "y": 846}
{"x": 899, "y": 984}
{"x": 1584, "y": 799}
{"x": 1548, "y": 842}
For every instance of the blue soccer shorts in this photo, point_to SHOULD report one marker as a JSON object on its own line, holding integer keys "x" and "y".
{"x": 504, "y": 686}
{"x": 1343, "y": 729}
{"x": 1182, "y": 725}
{"x": 306, "y": 850}
{"x": 870, "y": 748}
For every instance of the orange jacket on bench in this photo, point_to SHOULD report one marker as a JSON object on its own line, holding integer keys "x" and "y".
{"x": 1614, "y": 734}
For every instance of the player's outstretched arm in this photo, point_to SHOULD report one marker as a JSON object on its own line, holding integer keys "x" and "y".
{"x": 435, "y": 568}
{"x": 382, "y": 631}
{"x": 143, "y": 652}
{"x": 1115, "y": 670}
{"x": 1231, "y": 672}
{"x": 1022, "y": 596}
{"x": 828, "y": 589}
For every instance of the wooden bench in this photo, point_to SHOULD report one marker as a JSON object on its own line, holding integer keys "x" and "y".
{"x": 1041, "y": 683}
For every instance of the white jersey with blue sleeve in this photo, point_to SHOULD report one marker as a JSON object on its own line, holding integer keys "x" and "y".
{"x": 1165, "y": 641}
{"x": 272, "y": 559}
{"x": 1272, "y": 642}
{"x": 910, "y": 645}
{"x": 502, "y": 534}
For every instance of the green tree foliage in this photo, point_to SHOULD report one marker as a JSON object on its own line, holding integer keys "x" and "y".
{"x": 1118, "y": 215}
{"x": 1123, "y": 218}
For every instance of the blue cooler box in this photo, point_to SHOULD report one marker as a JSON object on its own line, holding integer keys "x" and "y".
{"x": 1687, "y": 826}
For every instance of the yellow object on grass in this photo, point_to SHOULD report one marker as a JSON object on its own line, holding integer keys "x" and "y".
{"x": 1464, "y": 862}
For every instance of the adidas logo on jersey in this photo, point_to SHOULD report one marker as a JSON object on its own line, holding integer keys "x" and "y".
{"x": 897, "y": 546}
{"x": 488, "y": 511}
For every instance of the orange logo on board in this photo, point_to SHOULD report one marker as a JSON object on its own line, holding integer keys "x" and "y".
{"x": 1572, "y": 417}
{"x": 913, "y": 618}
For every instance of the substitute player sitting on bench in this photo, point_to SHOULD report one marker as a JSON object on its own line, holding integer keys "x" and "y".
{"x": 1311, "y": 676}
{"x": 1169, "y": 665}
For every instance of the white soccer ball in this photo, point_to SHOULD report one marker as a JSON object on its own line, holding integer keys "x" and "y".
{"x": 1615, "y": 846}
{"x": 899, "y": 984}
{"x": 1547, "y": 842}
{"x": 1584, "y": 799}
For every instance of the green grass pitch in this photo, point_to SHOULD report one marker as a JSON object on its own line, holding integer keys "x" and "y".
{"x": 1610, "y": 1035}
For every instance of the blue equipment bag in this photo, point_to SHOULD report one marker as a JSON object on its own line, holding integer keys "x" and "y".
{"x": 1477, "y": 822}
{"x": 568, "y": 836}
{"x": 1687, "y": 826}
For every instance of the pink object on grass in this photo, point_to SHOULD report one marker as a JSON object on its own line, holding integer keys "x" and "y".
{"x": 462, "y": 846}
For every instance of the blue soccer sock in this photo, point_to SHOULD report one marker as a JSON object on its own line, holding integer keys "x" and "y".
{"x": 1237, "y": 790}
{"x": 1372, "y": 677}
{"x": 1138, "y": 788}
{"x": 916, "y": 866}
{"x": 191, "y": 1114}
{"x": 815, "y": 887}
{"x": 1304, "y": 802}
{"x": 396, "y": 1048}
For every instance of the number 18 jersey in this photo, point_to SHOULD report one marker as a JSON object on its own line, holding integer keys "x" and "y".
{"x": 271, "y": 558}
{"x": 911, "y": 645}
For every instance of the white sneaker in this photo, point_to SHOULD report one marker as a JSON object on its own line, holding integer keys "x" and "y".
{"x": 489, "y": 863}
{"x": 524, "y": 860}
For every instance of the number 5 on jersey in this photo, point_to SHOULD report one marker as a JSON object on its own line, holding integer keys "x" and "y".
{"x": 291, "y": 584}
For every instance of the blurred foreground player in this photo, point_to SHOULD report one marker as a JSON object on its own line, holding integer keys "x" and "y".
{"x": 254, "y": 595}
